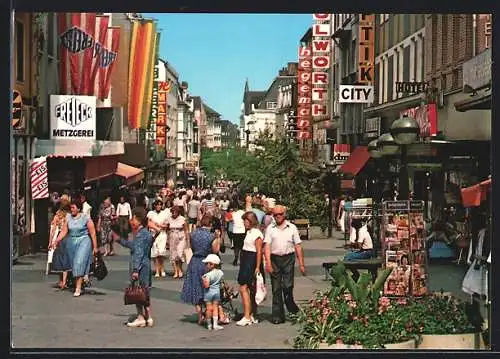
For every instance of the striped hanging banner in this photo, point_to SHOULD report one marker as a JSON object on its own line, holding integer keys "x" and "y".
{"x": 109, "y": 60}
{"x": 102, "y": 23}
{"x": 141, "y": 69}
{"x": 77, "y": 39}
{"x": 39, "y": 178}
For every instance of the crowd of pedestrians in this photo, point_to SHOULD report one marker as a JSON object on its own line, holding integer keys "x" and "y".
{"x": 191, "y": 228}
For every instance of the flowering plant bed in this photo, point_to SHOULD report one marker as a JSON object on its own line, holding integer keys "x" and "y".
{"x": 354, "y": 314}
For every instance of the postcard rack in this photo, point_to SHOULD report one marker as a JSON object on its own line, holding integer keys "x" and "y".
{"x": 403, "y": 248}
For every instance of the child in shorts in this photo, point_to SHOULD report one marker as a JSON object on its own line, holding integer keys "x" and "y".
{"x": 212, "y": 282}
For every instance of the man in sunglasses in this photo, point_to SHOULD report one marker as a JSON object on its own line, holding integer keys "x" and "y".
{"x": 282, "y": 244}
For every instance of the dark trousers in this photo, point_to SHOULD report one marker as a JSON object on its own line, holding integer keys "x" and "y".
{"x": 282, "y": 285}
{"x": 123, "y": 223}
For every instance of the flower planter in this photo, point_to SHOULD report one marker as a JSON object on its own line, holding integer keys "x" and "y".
{"x": 449, "y": 341}
{"x": 339, "y": 346}
{"x": 409, "y": 344}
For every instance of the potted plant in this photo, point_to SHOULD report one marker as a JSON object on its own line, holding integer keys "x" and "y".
{"x": 445, "y": 322}
{"x": 353, "y": 315}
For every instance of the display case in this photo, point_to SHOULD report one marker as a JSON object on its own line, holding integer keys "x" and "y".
{"x": 403, "y": 248}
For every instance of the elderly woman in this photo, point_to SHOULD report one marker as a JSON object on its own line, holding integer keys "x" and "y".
{"x": 202, "y": 243}
{"x": 81, "y": 243}
{"x": 250, "y": 265}
{"x": 178, "y": 235}
{"x": 140, "y": 264}
{"x": 60, "y": 259}
{"x": 107, "y": 215}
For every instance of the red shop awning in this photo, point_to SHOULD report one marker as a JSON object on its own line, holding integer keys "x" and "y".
{"x": 130, "y": 174}
{"x": 356, "y": 161}
{"x": 473, "y": 196}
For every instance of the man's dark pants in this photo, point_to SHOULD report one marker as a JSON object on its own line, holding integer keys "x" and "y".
{"x": 123, "y": 223}
{"x": 282, "y": 284}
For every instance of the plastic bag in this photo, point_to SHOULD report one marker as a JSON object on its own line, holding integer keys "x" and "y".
{"x": 261, "y": 291}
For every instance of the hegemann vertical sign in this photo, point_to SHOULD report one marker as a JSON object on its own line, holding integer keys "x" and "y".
{"x": 304, "y": 76}
{"x": 321, "y": 47}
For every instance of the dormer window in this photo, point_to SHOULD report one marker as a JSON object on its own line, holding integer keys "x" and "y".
{"x": 271, "y": 105}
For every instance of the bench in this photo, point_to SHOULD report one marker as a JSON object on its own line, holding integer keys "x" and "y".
{"x": 302, "y": 225}
{"x": 372, "y": 265}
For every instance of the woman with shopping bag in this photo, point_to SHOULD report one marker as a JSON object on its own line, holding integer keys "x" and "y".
{"x": 251, "y": 268}
{"x": 60, "y": 258}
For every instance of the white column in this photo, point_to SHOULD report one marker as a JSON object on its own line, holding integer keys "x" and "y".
{"x": 420, "y": 58}
{"x": 401, "y": 68}
{"x": 386, "y": 68}
{"x": 412, "y": 61}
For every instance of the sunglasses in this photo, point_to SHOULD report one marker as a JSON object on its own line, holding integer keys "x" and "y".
{"x": 278, "y": 214}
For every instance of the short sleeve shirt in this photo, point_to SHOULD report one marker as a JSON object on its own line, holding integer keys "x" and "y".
{"x": 250, "y": 238}
{"x": 214, "y": 278}
{"x": 160, "y": 218}
{"x": 282, "y": 240}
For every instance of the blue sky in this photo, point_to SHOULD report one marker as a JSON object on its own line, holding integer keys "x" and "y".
{"x": 214, "y": 53}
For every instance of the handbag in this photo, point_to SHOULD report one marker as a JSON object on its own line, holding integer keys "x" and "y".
{"x": 135, "y": 294}
{"x": 261, "y": 291}
{"x": 98, "y": 268}
{"x": 188, "y": 253}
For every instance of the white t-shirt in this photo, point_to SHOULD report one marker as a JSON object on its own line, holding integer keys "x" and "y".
{"x": 160, "y": 218}
{"x": 249, "y": 242}
{"x": 178, "y": 202}
{"x": 238, "y": 224}
{"x": 86, "y": 208}
{"x": 364, "y": 237}
{"x": 123, "y": 209}
{"x": 224, "y": 205}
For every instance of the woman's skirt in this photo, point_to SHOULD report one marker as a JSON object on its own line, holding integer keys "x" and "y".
{"x": 105, "y": 236}
{"x": 80, "y": 255}
{"x": 192, "y": 289}
{"x": 177, "y": 244}
{"x": 159, "y": 248}
{"x": 60, "y": 259}
{"x": 248, "y": 261}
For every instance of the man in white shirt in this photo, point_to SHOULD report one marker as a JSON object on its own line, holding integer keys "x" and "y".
{"x": 124, "y": 213}
{"x": 281, "y": 245}
{"x": 360, "y": 240}
{"x": 86, "y": 207}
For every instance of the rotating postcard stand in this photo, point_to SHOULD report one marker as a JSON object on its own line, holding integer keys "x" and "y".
{"x": 403, "y": 248}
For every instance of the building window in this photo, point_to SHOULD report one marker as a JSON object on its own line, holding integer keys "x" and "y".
{"x": 406, "y": 64}
{"x": 51, "y": 35}
{"x": 390, "y": 78}
{"x": 271, "y": 105}
{"x": 19, "y": 51}
{"x": 406, "y": 25}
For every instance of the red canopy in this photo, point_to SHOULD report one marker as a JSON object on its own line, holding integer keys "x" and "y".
{"x": 356, "y": 161}
{"x": 473, "y": 196}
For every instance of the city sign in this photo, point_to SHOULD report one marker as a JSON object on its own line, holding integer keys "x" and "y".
{"x": 355, "y": 94}
{"x": 72, "y": 117}
{"x": 366, "y": 49}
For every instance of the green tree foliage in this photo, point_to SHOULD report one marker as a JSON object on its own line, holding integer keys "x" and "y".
{"x": 276, "y": 170}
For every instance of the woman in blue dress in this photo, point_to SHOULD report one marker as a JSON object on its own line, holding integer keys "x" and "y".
{"x": 81, "y": 243}
{"x": 140, "y": 262}
{"x": 202, "y": 243}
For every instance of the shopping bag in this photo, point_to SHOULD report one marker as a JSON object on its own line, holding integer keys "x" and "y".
{"x": 188, "y": 253}
{"x": 261, "y": 291}
{"x": 135, "y": 294}
{"x": 50, "y": 256}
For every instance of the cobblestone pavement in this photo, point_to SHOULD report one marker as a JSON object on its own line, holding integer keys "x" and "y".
{"x": 44, "y": 317}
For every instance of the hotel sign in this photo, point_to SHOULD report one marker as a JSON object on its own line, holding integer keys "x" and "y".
{"x": 366, "y": 50}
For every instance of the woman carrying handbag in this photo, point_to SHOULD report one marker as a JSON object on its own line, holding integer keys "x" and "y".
{"x": 140, "y": 267}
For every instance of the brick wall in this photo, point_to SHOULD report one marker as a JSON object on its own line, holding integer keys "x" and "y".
{"x": 482, "y": 43}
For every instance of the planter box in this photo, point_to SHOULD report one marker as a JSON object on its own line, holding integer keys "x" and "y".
{"x": 449, "y": 341}
{"x": 409, "y": 344}
{"x": 339, "y": 346}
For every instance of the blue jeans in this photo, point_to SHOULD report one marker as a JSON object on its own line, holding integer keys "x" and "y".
{"x": 355, "y": 255}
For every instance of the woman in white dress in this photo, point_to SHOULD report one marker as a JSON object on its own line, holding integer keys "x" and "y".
{"x": 157, "y": 224}
{"x": 177, "y": 237}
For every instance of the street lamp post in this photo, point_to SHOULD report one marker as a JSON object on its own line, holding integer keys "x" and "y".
{"x": 331, "y": 180}
{"x": 405, "y": 131}
{"x": 247, "y": 132}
